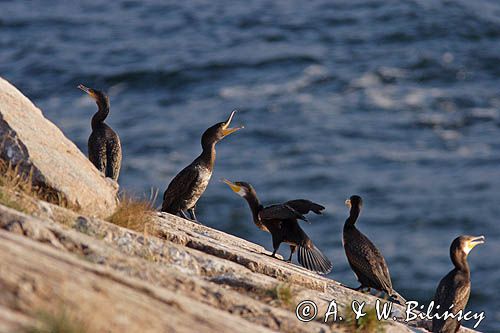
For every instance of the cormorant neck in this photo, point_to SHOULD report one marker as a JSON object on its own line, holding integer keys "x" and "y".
{"x": 101, "y": 114}
{"x": 255, "y": 206}
{"x": 207, "y": 156}
{"x": 459, "y": 259}
{"x": 353, "y": 216}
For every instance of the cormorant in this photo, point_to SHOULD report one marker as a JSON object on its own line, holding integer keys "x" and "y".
{"x": 188, "y": 186}
{"x": 454, "y": 288}
{"x": 105, "y": 150}
{"x": 365, "y": 259}
{"x": 281, "y": 221}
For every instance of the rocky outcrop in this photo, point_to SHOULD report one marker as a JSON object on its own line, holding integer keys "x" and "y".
{"x": 175, "y": 276}
{"x": 66, "y": 258}
{"x": 37, "y": 146}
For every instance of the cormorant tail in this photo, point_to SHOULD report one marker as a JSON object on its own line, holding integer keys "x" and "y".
{"x": 312, "y": 259}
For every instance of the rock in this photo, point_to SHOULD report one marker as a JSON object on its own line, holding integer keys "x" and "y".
{"x": 197, "y": 266}
{"x": 31, "y": 141}
{"x": 38, "y": 277}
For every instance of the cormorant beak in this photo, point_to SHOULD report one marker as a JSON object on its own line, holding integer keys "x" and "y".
{"x": 348, "y": 203}
{"x": 87, "y": 90}
{"x": 475, "y": 241}
{"x": 226, "y": 130}
{"x": 233, "y": 186}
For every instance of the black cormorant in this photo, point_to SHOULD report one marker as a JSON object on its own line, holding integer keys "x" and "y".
{"x": 281, "y": 221}
{"x": 454, "y": 288}
{"x": 365, "y": 259}
{"x": 188, "y": 186}
{"x": 105, "y": 150}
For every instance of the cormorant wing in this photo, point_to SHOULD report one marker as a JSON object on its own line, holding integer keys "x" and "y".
{"x": 180, "y": 188}
{"x": 451, "y": 290}
{"x": 304, "y": 206}
{"x": 280, "y": 212}
{"x": 367, "y": 261}
{"x": 97, "y": 152}
{"x": 114, "y": 156}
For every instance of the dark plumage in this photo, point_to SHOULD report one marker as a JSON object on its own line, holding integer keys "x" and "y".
{"x": 454, "y": 288}
{"x": 365, "y": 259}
{"x": 105, "y": 150}
{"x": 281, "y": 221}
{"x": 188, "y": 186}
{"x": 291, "y": 209}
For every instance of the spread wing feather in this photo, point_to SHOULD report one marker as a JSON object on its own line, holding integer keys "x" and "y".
{"x": 293, "y": 209}
{"x": 304, "y": 206}
{"x": 280, "y": 212}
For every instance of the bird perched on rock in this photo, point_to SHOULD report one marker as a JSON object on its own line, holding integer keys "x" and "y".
{"x": 365, "y": 259}
{"x": 105, "y": 150}
{"x": 281, "y": 221}
{"x": 187, "y": 187}
{"x": 454, "y": 288}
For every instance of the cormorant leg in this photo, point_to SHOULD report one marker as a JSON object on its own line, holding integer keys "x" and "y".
{"x": 192, "y": 214}
{"x": 361, "y": 288}
{"x": 276, "y": 245}
{"x": 292, "y": 251}
{"x": 183, "y": 214}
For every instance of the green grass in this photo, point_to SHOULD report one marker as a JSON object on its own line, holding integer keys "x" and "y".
{"x": 366, "y": 324}
{"x": 282, "y": 293}
{"x": 60, "y": 322}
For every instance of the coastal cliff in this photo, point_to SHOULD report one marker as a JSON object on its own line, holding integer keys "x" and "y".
{"x": 62, "y": 261}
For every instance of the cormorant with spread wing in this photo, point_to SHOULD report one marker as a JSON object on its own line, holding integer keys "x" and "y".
{"x": 188, "y": 186}
{"x": 454, "y": 288}
{"x": 105, "y": 150}
{"x": 281, "y": 221}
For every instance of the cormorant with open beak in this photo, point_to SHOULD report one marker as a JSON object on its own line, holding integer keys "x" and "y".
{"x": 188, "y": 186}
{"x": 454, "y": 288}
{"x": 365, "y": 259}
{"x": 281, "y": 221}
{"x": 105, "y": 150}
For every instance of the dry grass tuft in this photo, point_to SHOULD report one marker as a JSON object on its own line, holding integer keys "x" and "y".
{"x": 134, "y": 214}
{"x": 14, "y": 179}
{"x": 7, "y": 198}
{"x": 60, "y": 322}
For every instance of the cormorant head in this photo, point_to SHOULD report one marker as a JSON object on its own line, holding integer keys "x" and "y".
{"x": 354, "y": 201}
{"x": 243, "y": 189}
{"x": 465, "y": 244}
{"x": 218, "y": 131}
{"x": 101, "y": 98}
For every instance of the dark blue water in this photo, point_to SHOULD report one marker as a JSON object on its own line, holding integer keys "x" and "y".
{"x": 395, "y": 101}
